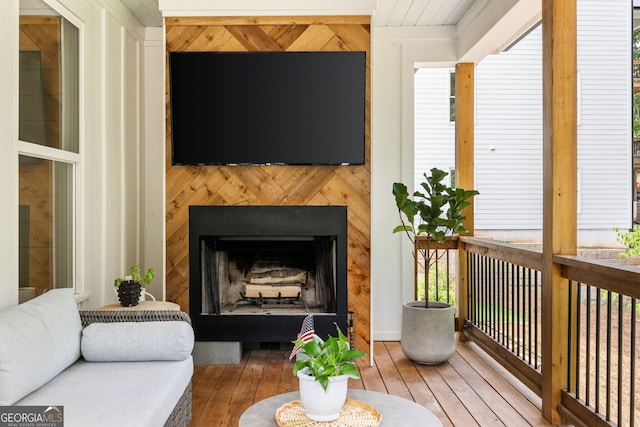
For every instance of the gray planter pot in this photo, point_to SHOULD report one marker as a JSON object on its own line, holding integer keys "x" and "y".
{"x": 428, "y": 334}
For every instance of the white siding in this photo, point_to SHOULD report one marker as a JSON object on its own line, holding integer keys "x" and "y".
{"x": 509, "y": 137}
{"x": 433, "y": 131}
{"x": 508, "y": 132}
{"x": 604, "y": 134}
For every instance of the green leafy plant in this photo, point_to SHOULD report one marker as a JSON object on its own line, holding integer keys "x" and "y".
{"x": 136, "y": 276}
{"x": 631, "y": 239}
{"x": 435, "y": 213}
{"x": 439, "y": 288}
{"x": 330, "y": 358}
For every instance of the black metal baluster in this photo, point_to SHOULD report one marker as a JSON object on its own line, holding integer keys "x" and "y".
{"x": 569, "y": 335}
{"x": 598, "y": 337}
{"x": 632, "y": 365}
{"x": 513, "y": 309}
{"x": 620, "y": 361}
{"x": 608, "y": 360}
{"x": 587, "y": 396}
{"x": 578, "y": 286}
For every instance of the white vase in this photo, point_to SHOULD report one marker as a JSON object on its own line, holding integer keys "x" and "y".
{"x": 322, "y": 405}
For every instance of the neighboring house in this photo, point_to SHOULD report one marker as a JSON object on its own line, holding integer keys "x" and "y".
{"x": 508, "y": 132}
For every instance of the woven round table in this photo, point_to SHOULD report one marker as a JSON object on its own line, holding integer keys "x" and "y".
{"x": 394, "y": 411}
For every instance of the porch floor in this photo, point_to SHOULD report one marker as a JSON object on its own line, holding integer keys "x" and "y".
{"x": 468, "y": 390}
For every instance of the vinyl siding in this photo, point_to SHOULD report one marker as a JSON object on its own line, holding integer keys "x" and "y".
{"x": 508, "y": 133}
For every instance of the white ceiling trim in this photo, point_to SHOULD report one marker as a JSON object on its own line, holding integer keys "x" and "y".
{"x": 404, "y": 34}
{"x": 264, "y": 8}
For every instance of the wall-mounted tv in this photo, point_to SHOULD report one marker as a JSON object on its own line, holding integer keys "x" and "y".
{"x": 256, "y": 108}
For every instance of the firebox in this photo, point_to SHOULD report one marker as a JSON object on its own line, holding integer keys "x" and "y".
{"x": 255, "y": 272}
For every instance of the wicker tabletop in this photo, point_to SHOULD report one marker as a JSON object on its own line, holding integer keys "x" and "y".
{"x": 353, "y": 414}
{"x": 394, "y": 411}
{"x": 143, "y": 305}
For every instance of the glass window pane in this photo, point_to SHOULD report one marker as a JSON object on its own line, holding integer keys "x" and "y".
{"x": 452, "y": 96}
{"x": 48, "y": 81}
{"x": 45, "y": 228}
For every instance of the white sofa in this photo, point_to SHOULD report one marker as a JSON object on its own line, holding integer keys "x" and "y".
{"x": 105, "y": 368}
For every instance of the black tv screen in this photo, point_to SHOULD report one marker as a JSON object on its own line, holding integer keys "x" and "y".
{"x": 292, "y": 108}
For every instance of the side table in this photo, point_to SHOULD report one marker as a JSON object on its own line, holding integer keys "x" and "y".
{"x": 395, "y": 411}
{"x": 143, "y": 305}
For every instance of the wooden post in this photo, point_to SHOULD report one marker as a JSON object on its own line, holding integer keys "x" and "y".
{"x": 559, "y": 224}
{"x": 465, "y": 107}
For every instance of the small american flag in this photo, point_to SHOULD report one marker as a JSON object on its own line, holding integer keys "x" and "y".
{"x": 306, "y": 334}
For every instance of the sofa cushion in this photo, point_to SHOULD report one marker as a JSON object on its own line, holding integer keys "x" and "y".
{"x": 40, "y": 338}
{"x": 137, "y": 341}
{"x": 123, "y": 394}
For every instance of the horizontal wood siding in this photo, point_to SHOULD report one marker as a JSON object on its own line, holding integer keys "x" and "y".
{"x": 273, "y": 185}
{"x": 433, "y": 132}
{"x": 604, "y": 131}
{"x": 508, "y": 134}
{"x": 509, "y": 137}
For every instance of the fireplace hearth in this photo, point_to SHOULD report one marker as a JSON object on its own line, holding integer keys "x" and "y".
{"x": 257, "y": 271}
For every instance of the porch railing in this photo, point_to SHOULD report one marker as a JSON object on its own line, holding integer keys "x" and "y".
{"x": 502, "y": 288}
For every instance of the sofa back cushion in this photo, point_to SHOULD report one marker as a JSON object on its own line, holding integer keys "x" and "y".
{"x": 137, "y": 341}
{"x": 39, "y": 339}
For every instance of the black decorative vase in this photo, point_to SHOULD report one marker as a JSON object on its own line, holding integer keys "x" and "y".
{"x": 129, "y": 293}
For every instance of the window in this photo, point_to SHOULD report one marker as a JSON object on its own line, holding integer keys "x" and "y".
{"x": 452, "y": 96}
{"x": 48, "y": 149}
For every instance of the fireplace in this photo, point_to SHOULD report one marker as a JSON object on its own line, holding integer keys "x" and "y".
{"x": 255, "y": 272}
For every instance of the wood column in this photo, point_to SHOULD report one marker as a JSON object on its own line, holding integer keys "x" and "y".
{"x": 559, "y": 224}
{"x": 465, "y": 107}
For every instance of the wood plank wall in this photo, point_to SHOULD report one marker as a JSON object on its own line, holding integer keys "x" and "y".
{"x": 272, "y": 185}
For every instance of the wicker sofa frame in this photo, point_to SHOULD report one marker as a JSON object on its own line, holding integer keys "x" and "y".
{"x": 181, "y": 414}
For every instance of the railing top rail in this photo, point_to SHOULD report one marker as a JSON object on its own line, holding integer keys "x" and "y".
{"x": 530, "y": 257}
{"x": 620, "y": 278}
{"x": 424, "y": 242}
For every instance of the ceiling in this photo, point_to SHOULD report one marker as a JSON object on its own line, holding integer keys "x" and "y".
{"x": 387, "y": 13}
{"x": 456, "y": 30}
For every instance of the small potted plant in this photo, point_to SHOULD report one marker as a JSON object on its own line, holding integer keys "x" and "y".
{"x": 323, "y": 371}
{"x": 129, "y": 287}
{"x": 428, "y": 330}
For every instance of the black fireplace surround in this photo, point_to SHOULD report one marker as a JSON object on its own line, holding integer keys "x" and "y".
{"x": 265, "y": 223}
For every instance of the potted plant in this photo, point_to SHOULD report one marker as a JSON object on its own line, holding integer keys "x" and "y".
{"x": 323, "y": 371}
{"x": 129, "y": 288}
{"x": 428, "y": 330}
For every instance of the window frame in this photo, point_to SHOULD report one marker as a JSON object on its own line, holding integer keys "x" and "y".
{"x": 60, "y": 155}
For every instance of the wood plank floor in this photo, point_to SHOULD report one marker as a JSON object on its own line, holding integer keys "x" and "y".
{"x": 469, "y": 390}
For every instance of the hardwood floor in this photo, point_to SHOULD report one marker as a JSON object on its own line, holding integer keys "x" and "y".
{"x": 469, "y": 390}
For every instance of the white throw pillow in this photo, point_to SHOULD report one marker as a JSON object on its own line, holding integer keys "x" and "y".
{"x": 137, "y": 341}
{"x": 38, "y": 340}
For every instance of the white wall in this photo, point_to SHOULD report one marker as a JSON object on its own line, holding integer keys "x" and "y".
{"x": 392, "y": 152}
{"x": 153, "y": 154}
{"x": 113, "y": 208}
{"x": 388, "y": 283}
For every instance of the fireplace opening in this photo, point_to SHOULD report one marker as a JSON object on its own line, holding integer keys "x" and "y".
{"x": 255, "y": 272}
{"x": 253, "y": 276}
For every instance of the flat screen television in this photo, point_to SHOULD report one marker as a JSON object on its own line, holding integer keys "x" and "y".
{"x": 256, "y": 108}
